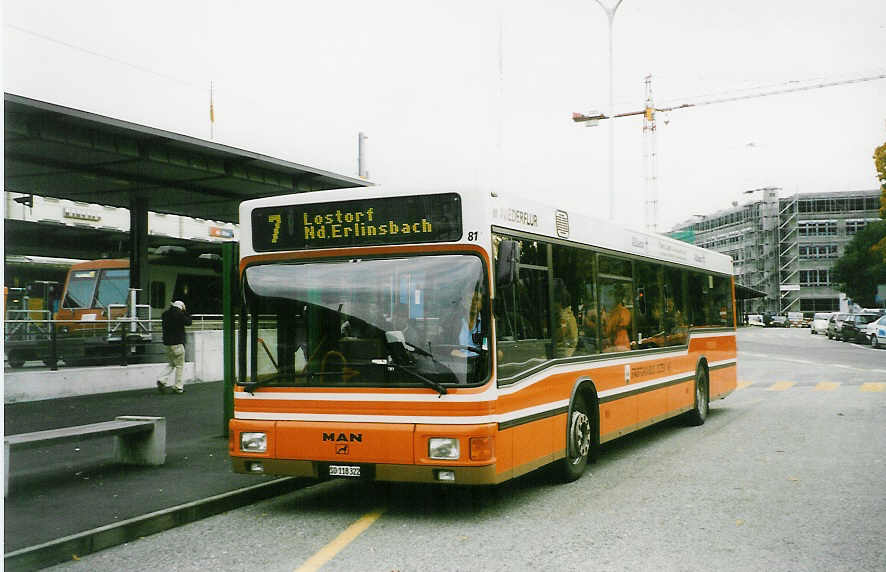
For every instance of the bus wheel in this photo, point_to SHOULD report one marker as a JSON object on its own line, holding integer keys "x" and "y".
{"x": 15, "y": 358}
{"x": 578, "y": 440}
{"x": 700, "y": 411}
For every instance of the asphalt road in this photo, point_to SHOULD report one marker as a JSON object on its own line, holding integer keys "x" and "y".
{"x": 786, "y": 474}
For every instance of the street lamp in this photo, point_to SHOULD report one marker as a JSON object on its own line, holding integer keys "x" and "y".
{"x": 610, "y": 13}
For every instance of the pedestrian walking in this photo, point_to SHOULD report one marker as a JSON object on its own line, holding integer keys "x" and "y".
{"x": 175, "y": 318}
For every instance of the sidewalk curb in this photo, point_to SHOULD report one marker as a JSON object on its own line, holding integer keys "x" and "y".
{"x": 87, "y": 542}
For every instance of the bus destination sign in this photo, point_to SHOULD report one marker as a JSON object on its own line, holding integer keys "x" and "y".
{"x": 362, "y": 222}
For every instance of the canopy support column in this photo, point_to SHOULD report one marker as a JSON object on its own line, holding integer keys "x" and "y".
{"x": 138, "y": 247}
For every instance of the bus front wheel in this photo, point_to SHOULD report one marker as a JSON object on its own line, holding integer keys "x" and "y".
{"x": 579, "y": 440}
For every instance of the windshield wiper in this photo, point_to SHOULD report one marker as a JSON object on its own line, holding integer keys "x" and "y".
{"x": 427, "y": 381}
{"x": 253, "y": 385}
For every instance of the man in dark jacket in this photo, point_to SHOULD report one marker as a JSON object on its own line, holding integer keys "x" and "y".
{"x": 174, "y": 321}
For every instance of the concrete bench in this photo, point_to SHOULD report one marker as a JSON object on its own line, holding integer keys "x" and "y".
{"x": 137, "y": 440}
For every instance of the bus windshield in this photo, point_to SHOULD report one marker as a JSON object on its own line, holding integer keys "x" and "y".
{"x": 405, "y": 321}
{"x": 81, "y": 287}
{"x": 113, "y": 287}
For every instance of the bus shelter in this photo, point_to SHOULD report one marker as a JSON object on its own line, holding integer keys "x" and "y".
{"x": 60, "y": 152}
{"x": 63, "y": 153}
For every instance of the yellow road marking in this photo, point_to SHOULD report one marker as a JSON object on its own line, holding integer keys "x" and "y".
{"x": 781, "y": 385}
{"x": 743, "y": 384}
{"x": 329, "y": 551}
{"x": 827, "y": 386}
{"x": 873, "y": 386}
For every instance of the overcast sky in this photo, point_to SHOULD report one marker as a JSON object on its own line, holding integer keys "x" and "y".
{"x": 480, "y": 94}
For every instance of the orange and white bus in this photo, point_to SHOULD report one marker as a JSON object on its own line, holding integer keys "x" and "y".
{"x": 464, "y": 337}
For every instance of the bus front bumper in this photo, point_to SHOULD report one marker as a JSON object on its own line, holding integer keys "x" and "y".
{"x": 483, "y": 475}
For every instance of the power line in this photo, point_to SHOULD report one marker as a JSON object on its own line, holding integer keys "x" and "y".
{"x": 138, "y": 67}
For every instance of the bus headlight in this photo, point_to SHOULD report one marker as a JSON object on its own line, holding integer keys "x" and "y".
{"x": 253, "y": 442}
{"x": 443, "y": 448}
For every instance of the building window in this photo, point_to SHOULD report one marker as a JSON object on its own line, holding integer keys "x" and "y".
{"x": 817, "y": 228}
{"x": 855, "y": 225}
{"x": 816, "y": 277}
{"x": 819, "y": 304}
{"x": 811, "y": 251}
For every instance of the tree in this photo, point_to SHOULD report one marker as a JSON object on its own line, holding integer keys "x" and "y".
{"x": 862, "y": 266}
{"x": 880, "y": 164}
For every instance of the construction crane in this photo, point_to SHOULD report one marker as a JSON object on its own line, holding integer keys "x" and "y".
{"x": 650, "y": 149}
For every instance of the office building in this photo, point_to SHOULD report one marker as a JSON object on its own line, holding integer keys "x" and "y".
{"x": 786, "y": 246}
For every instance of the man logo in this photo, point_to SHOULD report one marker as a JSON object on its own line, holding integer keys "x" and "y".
{"x": 341, "y": 449}
{"x": 343, "y": 437}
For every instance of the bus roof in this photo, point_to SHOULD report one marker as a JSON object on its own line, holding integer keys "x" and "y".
{"x": 508, "y": 211}
{"x": 522, "y": 214}
{"x": 101, "y": 263}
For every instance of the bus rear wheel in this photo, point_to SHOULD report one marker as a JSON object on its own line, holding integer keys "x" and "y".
{"x": 16, "y": 358}
{"x": 579, "y": 440}
{"x": 699, "y": 411}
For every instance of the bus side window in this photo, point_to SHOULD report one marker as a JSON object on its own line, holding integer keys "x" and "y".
{"x": 698, "y": 294}
{"x": 615, "y": 280}
{"x": 721, "y": 300}
{"x": 674, "y": 317}
{"x": 649, "y": 308}
{"x": 522, "y": 313}
{"x": 574, "y": 281}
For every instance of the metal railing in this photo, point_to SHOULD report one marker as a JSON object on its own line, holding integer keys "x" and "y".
{"x": 115, "y": 341}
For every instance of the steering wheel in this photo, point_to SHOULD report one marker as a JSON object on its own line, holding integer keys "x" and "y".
{"x": 346, "y": 372}
{"x": 335, "y": 354}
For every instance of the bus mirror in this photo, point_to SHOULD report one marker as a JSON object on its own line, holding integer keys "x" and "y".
{"x": 508, "y": 263}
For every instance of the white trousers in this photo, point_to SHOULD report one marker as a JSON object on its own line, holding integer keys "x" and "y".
{"x": 175, "y": 357}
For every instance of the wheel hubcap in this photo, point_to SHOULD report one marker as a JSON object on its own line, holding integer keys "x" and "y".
{"x": 579, "y": 436}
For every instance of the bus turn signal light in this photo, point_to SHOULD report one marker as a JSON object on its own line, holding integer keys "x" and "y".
{"x": 482, "y": 448}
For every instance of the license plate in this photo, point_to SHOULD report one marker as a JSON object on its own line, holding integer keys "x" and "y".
{"x": 344, "y": 471}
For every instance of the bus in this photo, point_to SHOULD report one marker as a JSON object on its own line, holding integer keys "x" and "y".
{"x": 96, "y": 292}
{"x": 464, "y": 337}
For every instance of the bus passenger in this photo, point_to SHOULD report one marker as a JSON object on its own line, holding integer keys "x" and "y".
{"x": 565, "y": 328}
{"x": 588, "y": 332}
{"x": 618, "y": 322}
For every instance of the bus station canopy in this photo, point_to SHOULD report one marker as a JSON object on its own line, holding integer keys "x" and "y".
{"x": 52, "y": 238}
{"x": 59, "y": 152}
{"x": 743, "y": 292}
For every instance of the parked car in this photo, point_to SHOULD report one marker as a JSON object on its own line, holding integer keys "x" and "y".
{"x": 835, "y": 322}
{"x": 774, "y": 321}
{"x": 820, "y": 322}
{"x": 854, "y": 326}
{"x": 876, "y": 332}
